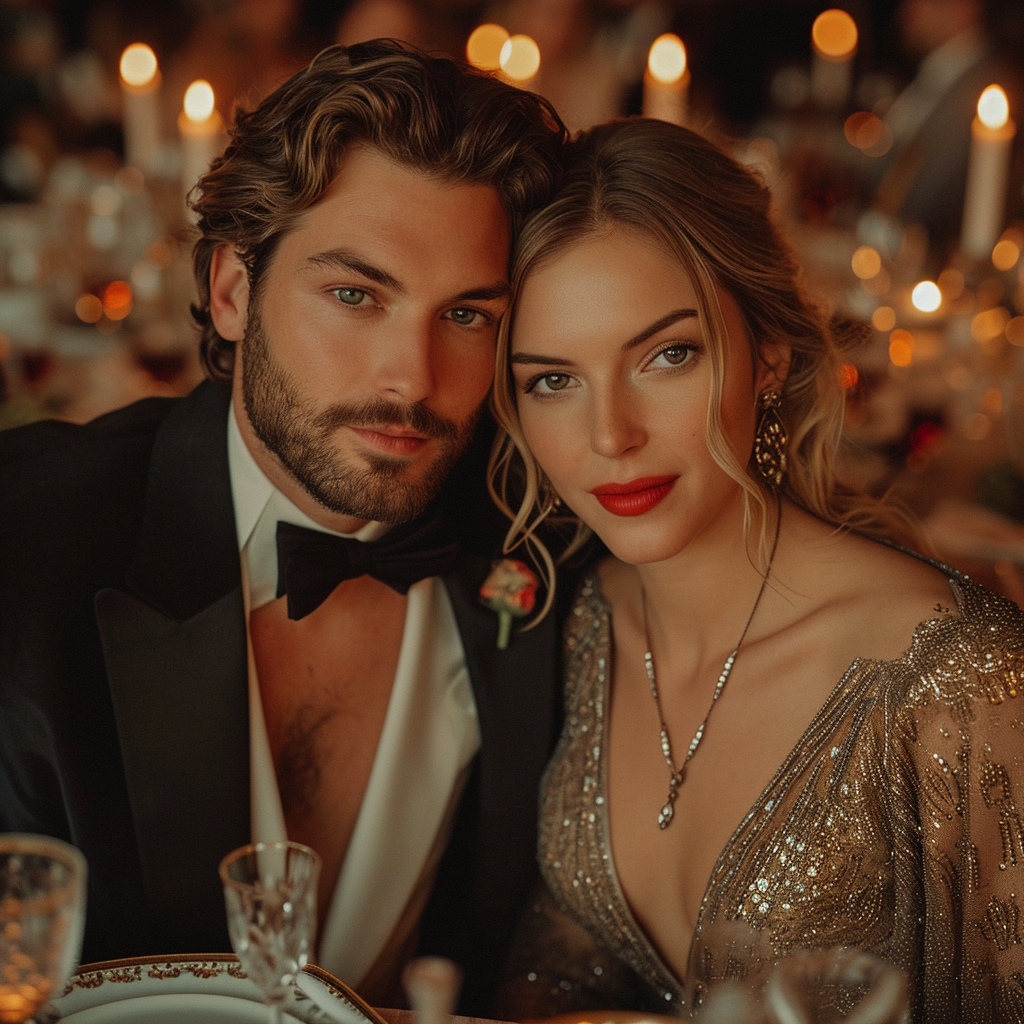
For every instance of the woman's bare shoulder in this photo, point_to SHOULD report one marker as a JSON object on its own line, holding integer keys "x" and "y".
{"x": 865, "y": 596}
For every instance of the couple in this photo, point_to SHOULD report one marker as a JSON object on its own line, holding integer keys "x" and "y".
{"x": 662, "y": 385}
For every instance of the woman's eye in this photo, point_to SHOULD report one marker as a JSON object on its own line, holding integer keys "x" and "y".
{"x": 551, "y": 382}
{"x": 351, "y": 296}
{"x": 464, "y": 316}
{"x": 674, "y": 355}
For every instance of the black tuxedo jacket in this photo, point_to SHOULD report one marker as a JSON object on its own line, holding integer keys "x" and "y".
{"x": 123, "y": 691}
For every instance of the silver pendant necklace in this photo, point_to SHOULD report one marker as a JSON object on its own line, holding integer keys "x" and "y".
{"x": 677, "y": 775}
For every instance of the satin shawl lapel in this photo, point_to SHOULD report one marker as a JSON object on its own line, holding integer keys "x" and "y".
{"x": 517, "y": 698}
{"x": 175, "y": 654}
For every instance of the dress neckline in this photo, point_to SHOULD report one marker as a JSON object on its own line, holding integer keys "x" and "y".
{"x": 674, "y": 986}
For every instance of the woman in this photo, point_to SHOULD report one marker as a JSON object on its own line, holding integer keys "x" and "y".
{"x": 780, "y": 734}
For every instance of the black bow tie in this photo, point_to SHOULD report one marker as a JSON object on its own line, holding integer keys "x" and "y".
{"x": 310, "y": 563}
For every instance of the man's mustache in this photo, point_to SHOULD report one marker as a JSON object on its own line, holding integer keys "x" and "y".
{"x": 381, "y": 413}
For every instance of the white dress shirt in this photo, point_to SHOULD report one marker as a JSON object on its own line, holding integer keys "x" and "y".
{"x": 429, "y": 737}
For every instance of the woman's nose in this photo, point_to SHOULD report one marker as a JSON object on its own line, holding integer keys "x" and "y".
{"x": 615, "y": 427}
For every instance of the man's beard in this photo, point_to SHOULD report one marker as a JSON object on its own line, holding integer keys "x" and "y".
{"x": 301, "y": 438}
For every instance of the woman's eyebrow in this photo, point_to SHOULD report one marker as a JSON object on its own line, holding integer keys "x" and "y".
{"x": 659, "y": 325}
{"x": 532, "y": 360}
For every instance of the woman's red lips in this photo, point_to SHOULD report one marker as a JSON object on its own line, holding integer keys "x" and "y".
{"x": 636, "y": 497}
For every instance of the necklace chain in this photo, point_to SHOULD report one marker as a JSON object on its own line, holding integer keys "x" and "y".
{"x": 677, "y": 775}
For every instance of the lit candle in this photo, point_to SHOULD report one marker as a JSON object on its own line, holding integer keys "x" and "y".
{"x": 519, "y": 59}
{"x": 200, "y": 127}
{"x": 834, "y": 38}
{"x": 140, "y": 85}
{"x": 992, "y": 134}
{"x": 666, "y": 80}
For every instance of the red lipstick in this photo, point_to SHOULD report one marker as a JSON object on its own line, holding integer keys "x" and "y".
{"x": 636, "y": 497}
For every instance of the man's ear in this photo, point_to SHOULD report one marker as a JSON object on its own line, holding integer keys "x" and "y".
{"x": 229, "y": 294}
{"x": 774, "y": 368}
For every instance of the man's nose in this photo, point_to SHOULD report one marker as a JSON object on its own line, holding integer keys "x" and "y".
{"x": 405, "y": 362}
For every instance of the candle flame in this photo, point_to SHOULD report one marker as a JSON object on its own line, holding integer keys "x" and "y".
{"x": 667, "y": 59}
{"x": 993, "y": 108}
{"x": 199, "y": 102}
{"x": 138, "y": 64}
{"x": 926, "y": 296}
{"x": 520, "y": 58}
{"x": 483, "y": 48}
{"x": 834, "y": 34}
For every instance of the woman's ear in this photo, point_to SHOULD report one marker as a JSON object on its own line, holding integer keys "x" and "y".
{"x": 774, "y": 366}
{"x": 229, "y": 294}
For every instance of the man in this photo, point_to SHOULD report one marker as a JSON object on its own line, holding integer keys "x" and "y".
{"x": 351, "y": 273}
{"x": 923, "y": 177}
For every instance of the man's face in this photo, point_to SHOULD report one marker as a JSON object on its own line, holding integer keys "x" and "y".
{"x": 369, "y": 347}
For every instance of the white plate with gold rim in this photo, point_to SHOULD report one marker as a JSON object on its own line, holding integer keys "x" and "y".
{"x": 193, "y": 989}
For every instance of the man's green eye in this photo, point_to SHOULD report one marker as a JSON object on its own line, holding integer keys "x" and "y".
{"x": 464, "y": 316}
{"x": 351, "y": 296}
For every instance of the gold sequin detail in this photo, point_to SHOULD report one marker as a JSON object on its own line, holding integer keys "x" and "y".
{"x": 892, "y": 826}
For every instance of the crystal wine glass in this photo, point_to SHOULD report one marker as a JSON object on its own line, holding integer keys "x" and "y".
{"x": 270, "y": 893}
{"x": 42, "y": 916}
{"x": 830, "y": 986}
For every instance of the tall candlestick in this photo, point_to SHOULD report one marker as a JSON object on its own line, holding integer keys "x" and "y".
{"x": 834, "y": 39}
{"x": 667, "y": 80}
{"x": 200, "y": 127}
{"x": 988, "y": 169}
{"x": 140, "y": 87}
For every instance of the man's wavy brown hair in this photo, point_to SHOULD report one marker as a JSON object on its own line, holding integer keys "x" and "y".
{"x": 428, "y": 113}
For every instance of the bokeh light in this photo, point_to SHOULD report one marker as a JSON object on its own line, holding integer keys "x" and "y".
{"x": 883, "y": 318}
{"x": 88, "y": 308}
{"x": 199, "y": 101}
{"x": 1005, "y": 254}
{"x": 868, "y": 132}
{"x": 926, "y": 296}
{"x": 993, "y": 108}
{"x": 138, "y": 64}
{"x": 117, "y": 300}
{"x": 667, "y": 59}
{"x": 990, "y": 323}
{"x": 834, "y": 34}
{"x": 901, "y": 347}
{"x": 520, "y": 58}
{"x": 866, "y": 262}
{"x": 483, "y": 48}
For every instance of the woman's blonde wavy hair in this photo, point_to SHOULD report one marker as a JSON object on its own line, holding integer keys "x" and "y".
{"x": 714, "y": 216}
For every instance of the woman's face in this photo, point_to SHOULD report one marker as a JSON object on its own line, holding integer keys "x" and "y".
{"x": 613, "y": 379}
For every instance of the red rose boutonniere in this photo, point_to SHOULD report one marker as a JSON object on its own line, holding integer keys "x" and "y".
{"x": 511, "y": 590}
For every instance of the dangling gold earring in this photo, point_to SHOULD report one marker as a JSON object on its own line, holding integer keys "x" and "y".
{"x": 770, "y": 440}
{"x": 548, "y": 500}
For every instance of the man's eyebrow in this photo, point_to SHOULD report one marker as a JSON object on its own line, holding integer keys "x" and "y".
{"x": 659, "y": 325}
{"x": 345, "y": 259}
{"x": 638, "y": 339}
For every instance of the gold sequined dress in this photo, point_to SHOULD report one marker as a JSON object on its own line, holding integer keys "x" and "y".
{"x": 892, "y": 826}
